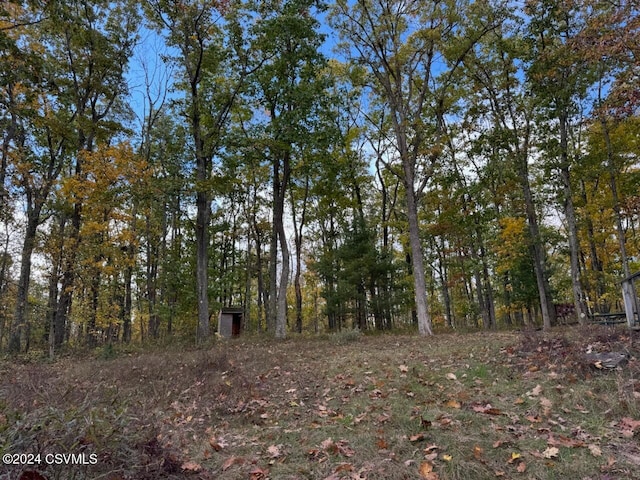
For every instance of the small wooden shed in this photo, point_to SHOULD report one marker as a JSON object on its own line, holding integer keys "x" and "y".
{"x": 630, "y": 298}
{"x": 230, "y": 321}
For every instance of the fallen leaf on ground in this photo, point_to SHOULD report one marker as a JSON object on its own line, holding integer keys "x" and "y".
{"x": 629, "y": 423}
{"x": 191, "y": 466}
{"x": 215, "y": 444}
{"x": 231, "y": 461}
{"x": 274, "y": 451}
{"x": 258, "y": 473}
{"x": 514, "y": 456}
{"x": 595, "y": 450}
{"x": 563, "y": 441}
{"x": 340, "y": 447}
{"x": 545, "y": 402}
{"x": 426, "y": 471}
{"x": 535, "y": 392}
{"x": 452, "y": 404}
{"x": 477, "y": 452}
{"x": 344, "y": 467}
{"x": 550, "y": 452}
{"x": 487, "y": 409}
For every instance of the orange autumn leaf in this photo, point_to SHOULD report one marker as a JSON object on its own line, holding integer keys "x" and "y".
{"x": 477, "y": 452}
{"x": 452, "y": 404}
{"x": 426, "y": 471}
{"x": 382, "y": 444}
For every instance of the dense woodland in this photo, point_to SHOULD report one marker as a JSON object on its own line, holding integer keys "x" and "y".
{"x": 369, "y": 164}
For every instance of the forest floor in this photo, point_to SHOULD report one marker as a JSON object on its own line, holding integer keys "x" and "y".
{"x": 506, "y": 405}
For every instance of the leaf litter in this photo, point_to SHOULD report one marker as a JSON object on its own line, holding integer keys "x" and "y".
{"x": 470, "y": 406}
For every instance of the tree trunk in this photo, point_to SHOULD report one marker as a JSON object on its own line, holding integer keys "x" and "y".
{"x": 4, "y": 284}
{"x": 417, "y": 263}
{"x": 280, "y": 187}
{"x": 281, "y": 313}
{"x": 272, "y": 300}
{"x": 444, "y": 285}
{"x": 548, "y": 313}
{"x": 91, "y": 331}
{"x": 570, "y": 216}
{"x": 489, "y": 297}
{"x": 596, "y": 263}
{"x": 246, "y": 301}
{"x": 152, "y": 282}
{"x": 203, "y": 216}
{"x": 298, "y": 236}
{"x": 20, "y": 319}
{"x": 261, "y": 291}
{"x": 622, "y": 244}
{"x": 202, "y": 264}
{"x": 127, "y": 307}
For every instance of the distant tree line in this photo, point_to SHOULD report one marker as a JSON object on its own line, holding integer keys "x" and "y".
{"x": 366, "y": 164}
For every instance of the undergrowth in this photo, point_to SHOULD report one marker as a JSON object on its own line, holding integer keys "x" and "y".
{"x": 524, "y": 405}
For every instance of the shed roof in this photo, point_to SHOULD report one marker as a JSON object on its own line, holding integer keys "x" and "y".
{"x": 232, "y": 310}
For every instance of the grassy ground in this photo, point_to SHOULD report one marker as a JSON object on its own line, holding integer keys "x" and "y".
{"x": 456, "y": 406}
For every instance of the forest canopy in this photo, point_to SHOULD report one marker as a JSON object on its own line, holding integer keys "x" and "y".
{"x": 366, "y": 164}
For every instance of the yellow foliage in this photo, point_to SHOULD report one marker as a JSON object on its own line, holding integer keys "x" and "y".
{"x": 511, "y": 243}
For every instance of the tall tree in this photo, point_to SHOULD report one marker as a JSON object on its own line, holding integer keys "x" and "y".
{"x": 289, "y": 88}
{"x": 412, "y": 49}
{"x": 559, "y": 78}
{"x": 213, "y": 70}
{"x": 82, "y": 52}
{"x": 509, "y": 108}
{"x": 611, "y": 41}
{"x": 91, "y": 42}
{"x": 24, "y": 152}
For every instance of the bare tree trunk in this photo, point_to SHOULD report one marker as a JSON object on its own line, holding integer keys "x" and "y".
{"x": 281, "y": 314}
{"x": 488, "y": 290}
{"x": 570, "y": 216}
{"x": 126, "y": 313}
{"x": 202, "y": 263}
{"x": 539, "y": 256}
{"x": 152, "y": 280}
{"x": 298, "y": 236}
{"x": 417, "y": 263}
{"x": 596, "y": 263}
{"x": 20, "y": 319}
{"x": 272, "y": 296}
{"x": 4, "y": 284}
{"x": 261, "y": 290}
{"x": 280, "y": 187}
{"x": 246, "y": 301}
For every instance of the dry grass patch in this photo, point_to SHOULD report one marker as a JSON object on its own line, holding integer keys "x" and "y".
{"x": 474, "y": 406}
